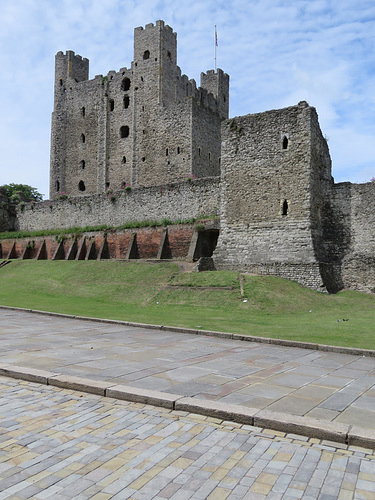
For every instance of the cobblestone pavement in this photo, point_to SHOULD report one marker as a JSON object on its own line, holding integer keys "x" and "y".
{"x": 61, "y": 444}
{"x": 323, "y": 385}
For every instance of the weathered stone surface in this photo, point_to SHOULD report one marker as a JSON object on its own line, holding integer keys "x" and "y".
{"x": 360, "y": 436}
{"x": 272, "y": 194}
{"x": 176, "y": 201}
{"x": 79, "y": 384}
{"x": 30, "y": 374}
{"x": 302, "y": 425}
{"x": 236, "y": 413}
{"x": 145, "y": 396}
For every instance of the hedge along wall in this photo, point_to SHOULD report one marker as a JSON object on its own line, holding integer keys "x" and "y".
{"x": 174, "y": 201}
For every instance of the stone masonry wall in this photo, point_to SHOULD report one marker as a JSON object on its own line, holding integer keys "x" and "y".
{"x": 352, "y": 244}
{"x": 173, "y": 201}
{"x": 266, "y": 194}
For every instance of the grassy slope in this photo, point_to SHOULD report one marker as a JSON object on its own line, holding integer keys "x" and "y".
{"x": 160, "y": 294}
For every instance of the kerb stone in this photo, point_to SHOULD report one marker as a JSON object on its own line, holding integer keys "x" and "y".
{"x": 358, "y": 436}
{"x": 79, "y": 384}
{"x": 217, "y": 409}
{"x": 145, "y": 396}
{"x": 306, "y": 426}
{"x": 29, "y": 374}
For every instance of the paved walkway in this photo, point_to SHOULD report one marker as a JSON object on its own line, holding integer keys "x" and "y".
{"x": 60, "y": 444}
{"x": 323, "y": 385}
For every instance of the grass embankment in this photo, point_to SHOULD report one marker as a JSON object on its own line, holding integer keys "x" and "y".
{"x": 161, "y": 294}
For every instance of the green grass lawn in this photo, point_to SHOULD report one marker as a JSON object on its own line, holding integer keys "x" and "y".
{"x": 161, "y": 294}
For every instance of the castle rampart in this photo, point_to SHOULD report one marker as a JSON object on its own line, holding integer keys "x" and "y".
{"x": 175, "y": 201}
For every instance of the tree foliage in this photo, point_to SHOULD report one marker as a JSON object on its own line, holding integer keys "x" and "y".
{"x": 30, "y": 193}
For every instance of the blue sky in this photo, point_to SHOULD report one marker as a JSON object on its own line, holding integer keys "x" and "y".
{"x": 277, "y": 53}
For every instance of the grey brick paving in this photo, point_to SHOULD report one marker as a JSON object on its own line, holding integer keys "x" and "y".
{"x": 138, "y": 451}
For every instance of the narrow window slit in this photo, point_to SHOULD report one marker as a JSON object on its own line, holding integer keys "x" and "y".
{"x": 285, "y": 208}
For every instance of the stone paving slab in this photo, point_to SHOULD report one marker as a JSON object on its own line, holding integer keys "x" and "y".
{"x": 301, "y": 383}
{"x": 63, "y": 444}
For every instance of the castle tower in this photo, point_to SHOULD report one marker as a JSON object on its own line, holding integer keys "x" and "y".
{"x": 69, "y": 69}
{"x": 155, "y": 62}
{"x": 143, "y": 126}
{"x": 218, "y": 84}
{"x": 276, "y": 180}
{"x": 154, "y": 93}
{"x": 176, "y": 126}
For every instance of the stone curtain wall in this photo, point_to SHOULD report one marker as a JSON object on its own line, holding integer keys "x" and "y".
{"x": 352, "y": 244}
{"x": 266, "y": 222}
{"x": 173, "y": 201}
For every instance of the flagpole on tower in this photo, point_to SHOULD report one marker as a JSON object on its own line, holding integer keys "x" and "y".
{"x": 215, "y": 45}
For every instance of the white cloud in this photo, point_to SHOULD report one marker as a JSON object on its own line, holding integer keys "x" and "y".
{"x": 277, "y": 53}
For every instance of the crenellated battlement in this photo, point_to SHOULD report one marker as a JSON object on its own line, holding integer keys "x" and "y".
{"x": 159, "y": 24}
{"x": 71, "y": 55}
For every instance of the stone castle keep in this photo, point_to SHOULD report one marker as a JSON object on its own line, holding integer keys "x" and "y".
{"x": 145, "y": 143}
{"x": 144, "y": 126}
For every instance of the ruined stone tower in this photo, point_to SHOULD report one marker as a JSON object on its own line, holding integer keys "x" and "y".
{"x": 143, "y": 126}
{"x": 276, "y": 183}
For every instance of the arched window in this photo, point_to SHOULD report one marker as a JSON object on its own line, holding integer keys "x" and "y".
{"x": 285, "y": 142}
{"x": 81, "y": 186}
{"x": 285, "y": 208}
{"x": 125, "y": 84}
{"x": 146, "y": 54}
{"x": 126, "y": 101}
{"x": 124, "y": 159}
{"x": 57, "y": 186}
{"x": 124, "y": 131}
{"x": 111, "y": 104}
{"x": 83, "y": 111}
{"x": 83, "y": 138}
{"x": 82, "y": 164}
{"x": 166, "y": 152}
